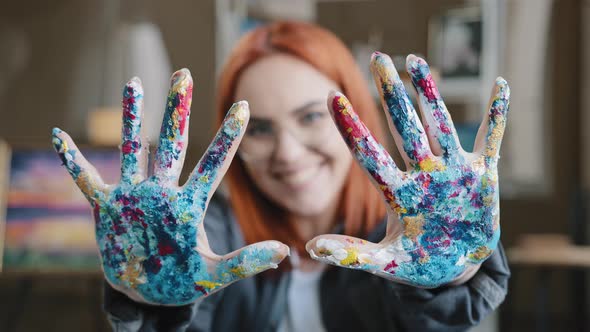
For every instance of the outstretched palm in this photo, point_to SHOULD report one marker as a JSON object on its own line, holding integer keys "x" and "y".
{"x": 149, "y": 230}
{"x": 444, "y": 210}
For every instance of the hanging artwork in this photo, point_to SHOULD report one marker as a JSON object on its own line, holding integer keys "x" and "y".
{"x": 48, "y": 224}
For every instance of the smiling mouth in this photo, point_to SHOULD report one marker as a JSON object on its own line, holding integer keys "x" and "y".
{"x": 300, "y": 179}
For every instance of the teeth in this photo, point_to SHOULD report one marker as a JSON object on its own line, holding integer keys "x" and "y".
{"x": 301, "y": 176}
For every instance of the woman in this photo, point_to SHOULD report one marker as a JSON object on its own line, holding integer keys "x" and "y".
{"x": 433, "y": 255}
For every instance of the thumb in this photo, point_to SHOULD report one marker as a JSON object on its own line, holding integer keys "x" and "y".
{"x": 250, "y": 260}
{"x": 344, "y": 251}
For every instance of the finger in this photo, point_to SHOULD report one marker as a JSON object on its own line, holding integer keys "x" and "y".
{"x": 346, "y": 251}
{"x": 373, "y": 158}
{"x": 133, "y": 158}
{"x": 439, "y": 125}
{"x": 247, "y": 262}
{"x": 491, "y": 130}
{"x": 403, "y": 121}
{"x": 209, "y": 171}
{"x": 171, "y": 150}
{"x": 83, "y": 173}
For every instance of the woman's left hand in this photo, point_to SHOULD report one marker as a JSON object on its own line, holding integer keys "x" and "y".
{"x": 443, "y": 212}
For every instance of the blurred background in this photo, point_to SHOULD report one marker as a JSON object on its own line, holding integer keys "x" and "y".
{"x": 64, "y": 62}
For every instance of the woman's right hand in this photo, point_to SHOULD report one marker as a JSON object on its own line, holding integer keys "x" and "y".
{"x": 149, "y": 230}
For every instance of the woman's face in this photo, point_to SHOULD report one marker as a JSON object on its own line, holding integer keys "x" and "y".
{"x": 292, "y": 149}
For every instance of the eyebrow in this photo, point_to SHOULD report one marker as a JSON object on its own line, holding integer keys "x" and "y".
{"x": 306, "y": 106}
{"x": 293, "y": 112}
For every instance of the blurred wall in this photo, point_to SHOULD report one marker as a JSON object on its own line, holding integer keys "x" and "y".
{"x": 584, "y": 107}
{"x": 64, "y": 35}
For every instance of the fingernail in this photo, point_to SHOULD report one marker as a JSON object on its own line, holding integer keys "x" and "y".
{"x": 240, "y": 111}
{"x": 279, "y": 250}
{"x": 375, "y": 55}
{"x": 411, "y": 58}
{"x": 181, "y": 79}
{"x": 134, "y": 81}
{"x": 379, "y": 56}
{"x": 133, "y": 88}
{"x": 339, "y": 102}
{"x": 384, "y": 69}
{"x": 502, "y": 84}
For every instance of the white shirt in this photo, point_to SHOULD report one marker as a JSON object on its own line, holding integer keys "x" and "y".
{"x": 303, "y": 311}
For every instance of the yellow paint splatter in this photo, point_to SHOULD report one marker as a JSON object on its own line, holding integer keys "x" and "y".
{"x": 186, "y": 217}
{"x": 85, "y": 185}
{"x": 425, "y": 259}
{"x": 481, "y": 253}
{"x": 240, "y": 114}
{"x": 238, "y": 271}
{"x": 175, "y": 124}
{"x": 209, "y": 285}
{"x": 488, "y": 200}
{"x": 383, "y": 74}
{"x": 398, "y": 209}
{"x": 494, "y": 140}
{"x": 344, "y": 108}
{"x": 413, "y": 226}
{"x": 353, "y": 240}
{"x": 351, "y": 258}
{"x": 204, "y": 179}
{"x": 64, "y": 146}
{"x": 136, "y": 178}
{"x": 430, "y": 165}
{"x": 133, "y": 272}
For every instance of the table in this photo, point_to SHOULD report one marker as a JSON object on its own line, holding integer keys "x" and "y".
{"x": 548, "y": 252}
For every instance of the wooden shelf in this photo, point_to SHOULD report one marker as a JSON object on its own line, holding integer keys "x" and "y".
{"x": 549, "y": 250}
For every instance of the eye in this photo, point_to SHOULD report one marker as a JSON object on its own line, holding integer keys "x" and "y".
{"x": 312, "y": 117}
{"x": 259, "y": 129}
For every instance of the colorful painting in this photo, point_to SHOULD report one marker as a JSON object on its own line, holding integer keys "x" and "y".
{"x": 49, "y": 224}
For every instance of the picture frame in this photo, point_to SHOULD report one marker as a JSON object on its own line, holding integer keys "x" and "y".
{"x": 455, "y": 48}
{"x": 457, "y": 42}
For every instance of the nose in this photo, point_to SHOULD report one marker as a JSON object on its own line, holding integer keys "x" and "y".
{"x": 288, "y": 148}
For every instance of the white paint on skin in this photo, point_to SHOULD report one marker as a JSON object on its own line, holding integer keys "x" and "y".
{"x": 329, "y": 245}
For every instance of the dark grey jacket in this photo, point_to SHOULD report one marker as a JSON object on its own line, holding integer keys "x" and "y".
{"x": 350, "y": 300}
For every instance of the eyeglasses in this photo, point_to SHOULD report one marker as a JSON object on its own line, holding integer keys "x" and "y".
{"x": 309, "y": 127}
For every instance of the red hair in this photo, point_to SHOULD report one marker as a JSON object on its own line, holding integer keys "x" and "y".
{"x": 361, "y": 206}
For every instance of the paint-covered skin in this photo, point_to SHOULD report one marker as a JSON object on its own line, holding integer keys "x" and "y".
{"x": 149, "y": 230}
{"x": 443, "y": 211}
